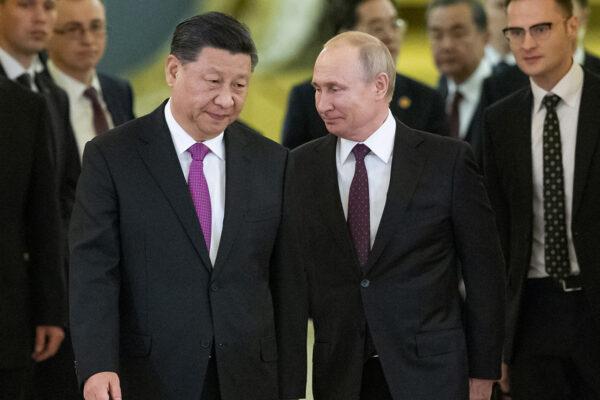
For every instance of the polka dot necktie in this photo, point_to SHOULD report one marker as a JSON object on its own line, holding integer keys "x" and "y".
{"x": 199, "y": 190}
{"x": 358, "y": 205}
{"x": 556, "y": 252}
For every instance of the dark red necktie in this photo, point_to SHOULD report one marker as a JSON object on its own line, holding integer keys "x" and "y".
{"x": 358, "y": 206}
{"x": 100, "y": 122}
{"x": 454, "y": 117}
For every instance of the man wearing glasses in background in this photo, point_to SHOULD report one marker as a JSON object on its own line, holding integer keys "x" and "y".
{"x": 97, "y": 101}
{"x": 413, "y": 103}
{"x": 542, "y": 167}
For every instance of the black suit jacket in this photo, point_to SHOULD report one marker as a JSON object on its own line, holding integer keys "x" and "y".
{"x": 508, "y": 169}
{"x": 413, "y": 103}
{"x": 61, "y": 142}
{"x": 146, "y": 301}
{"x": 32, "y": 287}
{"x": 498, "y": 86}
{"x": 118, "y": 96}
{"x": 436, "y": 218}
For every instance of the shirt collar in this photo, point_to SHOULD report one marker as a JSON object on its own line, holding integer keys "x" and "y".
{"x": 381, "y": 142}
{"x": 72, "y": 86}
{"x": 567, "y": 88}
{"x": 183, "y": 141}
{"x": 471, "y": 88}
{"x": 579, "y": 55}
{"x": 14, "y": 69}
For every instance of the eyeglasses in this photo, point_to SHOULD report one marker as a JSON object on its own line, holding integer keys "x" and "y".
{"x": 380, "y": 28}
{"x": 76, "y": 31}
{"x": 538, "y": 32}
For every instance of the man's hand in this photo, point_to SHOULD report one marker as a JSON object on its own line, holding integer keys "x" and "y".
{"x": 480, "y": 389}
{"x": 47, "y": 341}
{"x": 102, "y": 386}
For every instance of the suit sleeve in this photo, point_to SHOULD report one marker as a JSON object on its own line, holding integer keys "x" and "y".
{"x": 494, "y": 185}
{"x": 44, "y": 236}
{"x": 290, "y": 297}
{"x": 479, "y": 251}
{"x": 295, "y": 126}
{"x": 94, "y": 273}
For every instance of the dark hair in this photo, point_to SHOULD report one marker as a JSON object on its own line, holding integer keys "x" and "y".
{"x": 566, "y": 5}
{"x": 213, "y": 29}
{"x": 347, "y": 18}
{"x": 477, "y": 10}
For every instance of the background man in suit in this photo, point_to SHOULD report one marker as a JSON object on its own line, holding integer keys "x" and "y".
{"x": 458, "y": 35}
{"x": 511, "y": 79}
{"x": 32, "y": 299}
{"x": 543, "y": 173}
{"x": 170, "y": 294}
{"x": 413, "y": 103}
{"x": 383, "y": 216}
{"x": 97, "y": 101}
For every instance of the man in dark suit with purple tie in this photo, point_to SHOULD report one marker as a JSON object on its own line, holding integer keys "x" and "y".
{"x": 172, "y": 236}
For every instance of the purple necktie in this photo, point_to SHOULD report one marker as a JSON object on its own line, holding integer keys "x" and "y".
{"x": 358, "y": 205}
{"x": 199, "y": 189}
{"x": 100, "y": 122}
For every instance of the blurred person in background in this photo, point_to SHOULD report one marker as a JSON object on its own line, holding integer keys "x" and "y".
{"x": 32, "y": 288}
{"x": 458, "y": 35}
{"x": 413, "y": 103}
{"x": 98, "y": 101}
{"x": 497, "y": 51}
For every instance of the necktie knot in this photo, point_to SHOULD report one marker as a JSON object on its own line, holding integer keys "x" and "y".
{"x": 199, "y": 151}
{"x": 360, "y": 151}
{"x": 550, "y": 101}
{"x": 25, "y": 80}
{"x": 91, "y": 93}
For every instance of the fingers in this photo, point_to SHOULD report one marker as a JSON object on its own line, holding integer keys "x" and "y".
{"x": 47, "y": 342}
{"x": 102, "y": 386}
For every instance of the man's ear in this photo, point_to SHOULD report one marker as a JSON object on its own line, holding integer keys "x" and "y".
{"x": 172, "y": 67}
{"x": 382, "y": 83}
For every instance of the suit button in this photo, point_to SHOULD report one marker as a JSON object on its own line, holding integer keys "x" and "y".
{"x": 214, "y": 287}
{"x": 365, "y": 283}
{"x": 222, "y": 344}
{"x": 205, "y": 345}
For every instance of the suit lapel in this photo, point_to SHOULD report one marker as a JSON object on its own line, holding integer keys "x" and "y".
{"x": 587, "y": 136}
{"x": 326, "y": 184}
{"x": 158, "y": 153}
{"x": 407, "y": 165}
{"x": 238, "y": 165}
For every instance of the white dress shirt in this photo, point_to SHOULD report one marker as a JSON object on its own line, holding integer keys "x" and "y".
{"x": 214, "y": 172}
{"x": 14, "y": 69}
{"x": 80, "y": 107}
{"x": 471, "y": 91}
{"x": 379, "y": 167}
{"x": 569, "y": 90}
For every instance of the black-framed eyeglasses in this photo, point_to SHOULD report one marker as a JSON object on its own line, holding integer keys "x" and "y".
{"x": 537, "y": 32}
{"x": 77, "y": 31}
